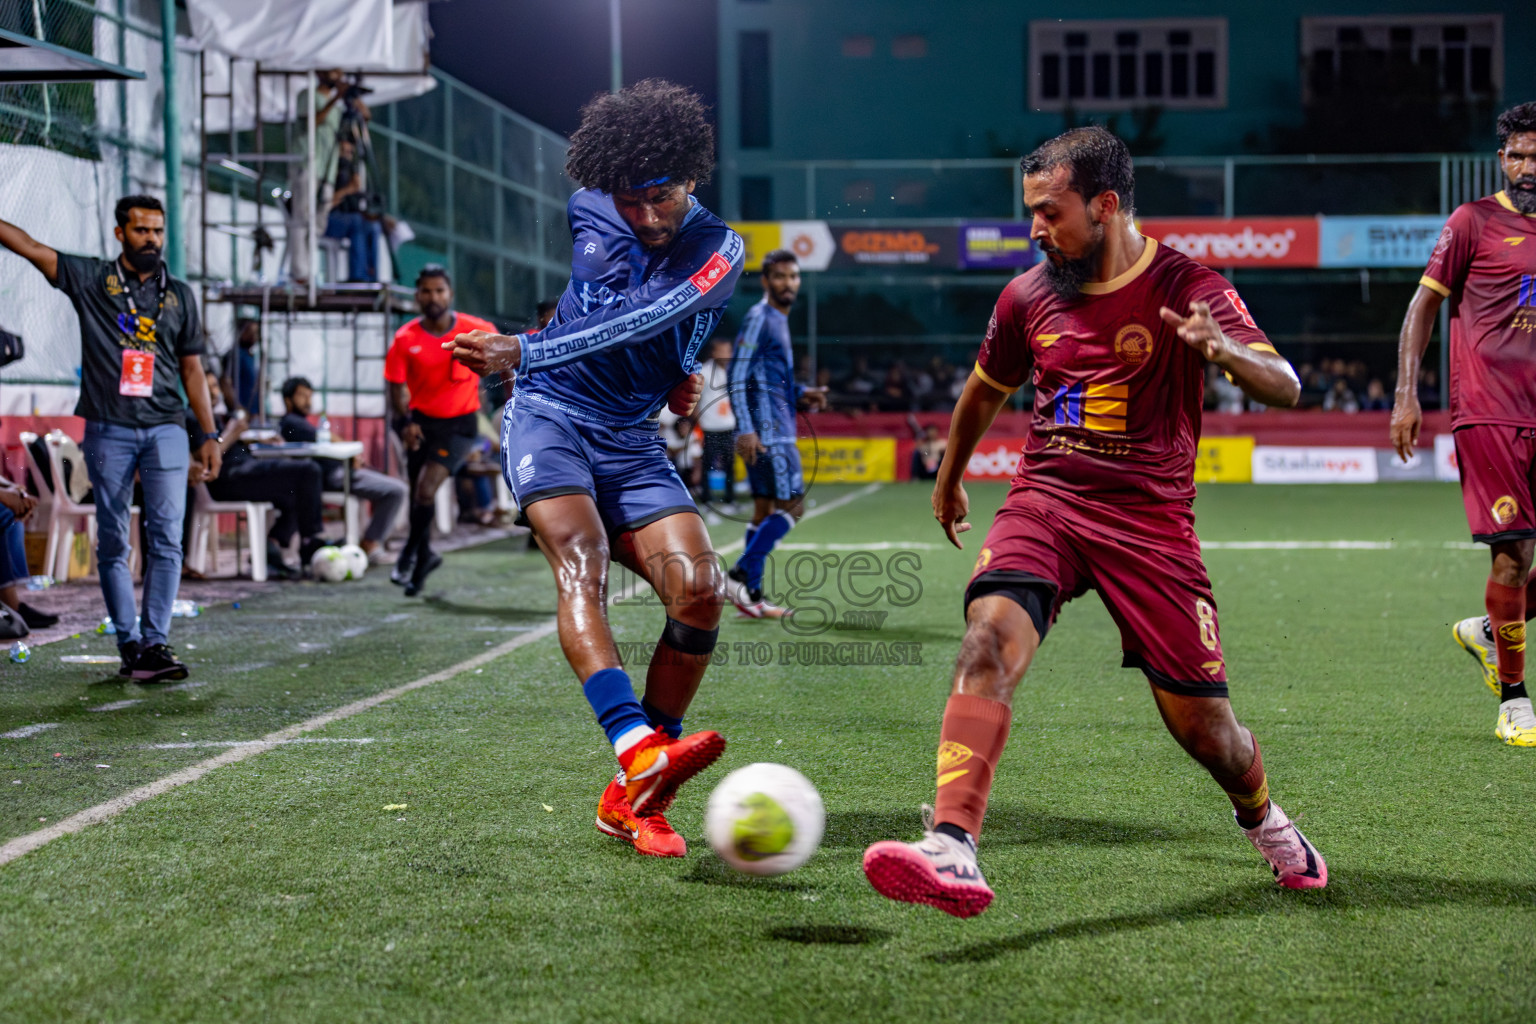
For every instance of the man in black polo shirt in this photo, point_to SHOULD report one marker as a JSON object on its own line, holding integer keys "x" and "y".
{"x": 140, "y": 344}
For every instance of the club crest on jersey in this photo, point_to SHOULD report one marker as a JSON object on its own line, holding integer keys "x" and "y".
{"x": 951, "y": 756}
{"x": 1241, "y": 307}
{"x": 1504, "y": 510}
{"x": 710, "y": 274}
{"x": 1133, "y": 343}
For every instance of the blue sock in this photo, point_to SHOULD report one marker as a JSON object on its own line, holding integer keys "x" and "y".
{"x": 613, "y": 701}
{"x": 747, "y": 535}
{"x": 671, "y": 726}
{"x": 768, "y": 533}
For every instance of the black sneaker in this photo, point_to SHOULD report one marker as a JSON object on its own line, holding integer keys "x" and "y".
{"x": 157, "y": 663}
{"x": 308, "y": 546}
{"x": 129, "y": 652}
{"x": 400, "y": 575}
{"x": 423, "y": 570}
{"x": 36, "y": 619}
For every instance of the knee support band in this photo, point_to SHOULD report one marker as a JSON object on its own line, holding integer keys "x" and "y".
{"x": 689, "y": 639}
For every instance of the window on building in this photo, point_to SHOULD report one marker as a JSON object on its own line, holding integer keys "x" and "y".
{"x": 754, "y": 89}
{"x": 909, "y": 47}
{"x": 1457, "y": 56}
{"x": 859, "y": 47}
{"x": 1104, "y": 65}
{"x": 756, "y": 197}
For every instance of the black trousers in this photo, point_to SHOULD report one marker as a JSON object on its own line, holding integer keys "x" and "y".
{"x": 291, "y": 485}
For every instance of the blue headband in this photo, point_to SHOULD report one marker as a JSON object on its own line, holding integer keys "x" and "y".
{"x": 653, "y": 182}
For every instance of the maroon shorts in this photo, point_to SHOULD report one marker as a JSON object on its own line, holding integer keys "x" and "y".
{"x": 1497, "y": 464}
{"x": 1144, "y": 562}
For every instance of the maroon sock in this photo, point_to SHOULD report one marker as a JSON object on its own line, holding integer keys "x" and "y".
{"x": 971, "y": 740}
{"x": 1249, "y": 792}
{"x": 1506, "y": 614}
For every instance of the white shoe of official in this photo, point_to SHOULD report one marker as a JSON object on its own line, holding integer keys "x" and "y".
{"x": 1475, "y": 636}
{"x": 1517, "y": 723}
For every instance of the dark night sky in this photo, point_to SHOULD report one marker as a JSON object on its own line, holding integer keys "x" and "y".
{"x": 545, "y": 58}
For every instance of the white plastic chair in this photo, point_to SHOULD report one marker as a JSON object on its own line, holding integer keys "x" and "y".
{"x": 64, "y": 514}
{"x": 205, "y": 531}
{"x": 351, "y": 512}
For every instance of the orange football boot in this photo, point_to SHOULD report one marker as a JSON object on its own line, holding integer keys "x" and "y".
{"x": 656, "y": 766}
{"x": 650, "y": 835}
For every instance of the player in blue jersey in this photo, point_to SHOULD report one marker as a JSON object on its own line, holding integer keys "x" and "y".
{"x": 651, "y": 272}
{"x": 764, "y": 397}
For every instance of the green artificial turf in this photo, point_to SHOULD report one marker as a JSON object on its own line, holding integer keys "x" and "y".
{"x": 279, "y": 888}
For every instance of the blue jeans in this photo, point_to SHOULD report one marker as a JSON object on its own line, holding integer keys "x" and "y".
{"x": 13, "y": 550}
{"x": 160, "y": 455}
{"x": 363, "y": 234}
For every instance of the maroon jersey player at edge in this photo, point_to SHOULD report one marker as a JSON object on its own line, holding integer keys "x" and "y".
{"x": 1114, "y": 331}
{"x": 1485, "y": 263}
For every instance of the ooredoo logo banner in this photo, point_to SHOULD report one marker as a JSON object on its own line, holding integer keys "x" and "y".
{"x": 1241, "y": 241}
{"x": 995, "y": 458}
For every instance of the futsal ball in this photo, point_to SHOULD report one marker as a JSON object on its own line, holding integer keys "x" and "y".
{"x": 357, "y": 561}
{"x": 329, "y": 564}
{"x": 764, "y": 819}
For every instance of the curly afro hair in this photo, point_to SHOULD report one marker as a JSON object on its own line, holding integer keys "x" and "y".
{"x": 651, "y": 130}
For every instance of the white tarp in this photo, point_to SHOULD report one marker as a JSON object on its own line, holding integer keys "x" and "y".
{"x": 222, "y": 26}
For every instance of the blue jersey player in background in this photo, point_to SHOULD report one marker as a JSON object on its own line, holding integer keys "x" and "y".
{"x": 651, "y": 272}
{"x": 765, "y": 397}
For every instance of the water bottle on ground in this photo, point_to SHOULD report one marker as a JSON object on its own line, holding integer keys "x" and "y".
{"x": 39, "y": 582}
{"x": 184, "y": 609}
{"x": 20, "y": 652}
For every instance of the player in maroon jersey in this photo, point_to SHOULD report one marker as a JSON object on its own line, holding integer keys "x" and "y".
{"x": 1485, "y": 263}
{"x": 1114, "y": 331}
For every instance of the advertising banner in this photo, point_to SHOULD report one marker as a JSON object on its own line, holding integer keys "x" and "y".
{"x": 1377, "y": 241}
{"x": 848, "y": 460}
{"x": 1445, "y": 458}
{"x": 995, "y": 458}
{"x": 988, "y": 244}
{"x": 1390, "y": 468}
{"x": 1224, "y": 460}
{"x": 1277, "y": 465}
{"x": 810, "y": 241}
{"x": 897, "y": 247}
{"x": 1239, "y": 242}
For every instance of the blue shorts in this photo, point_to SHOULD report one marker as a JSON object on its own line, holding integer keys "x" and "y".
{"x": 546, "y": 453}
{"x": 776, "y": 473}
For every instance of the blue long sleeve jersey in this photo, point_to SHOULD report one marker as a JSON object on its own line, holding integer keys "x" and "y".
{"x": 763, "y": 389}
{"x": 630, "y": 324}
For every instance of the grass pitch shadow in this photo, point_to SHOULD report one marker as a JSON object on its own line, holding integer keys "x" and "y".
{"x": 1007, "y": 825}
{"x": 1365, "y": 891}
{"x": 828, "y": 934}
{"x": 711, "y": 870}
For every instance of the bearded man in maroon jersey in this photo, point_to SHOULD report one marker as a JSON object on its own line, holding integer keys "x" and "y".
{"x": 1114, "y": 331}
{"x": 1485, "y": 263}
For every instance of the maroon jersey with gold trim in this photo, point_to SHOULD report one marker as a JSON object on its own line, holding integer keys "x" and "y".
{"x": 1117, "y": 392}
{"x": 1485, "y": 263}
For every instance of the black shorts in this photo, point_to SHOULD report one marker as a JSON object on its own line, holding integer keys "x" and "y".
{"x": 446, "y": 442}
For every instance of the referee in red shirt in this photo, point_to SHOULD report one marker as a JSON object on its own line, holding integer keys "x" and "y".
{"x": 434, "y": 400}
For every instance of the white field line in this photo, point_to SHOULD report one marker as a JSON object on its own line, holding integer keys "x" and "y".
{"x": 23, "y": 845}
{"x": 28, "y": 730}
{"x": 116, "y": 705}
{"x": 251, "y": 743}
{"x": 881, "y": 545}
